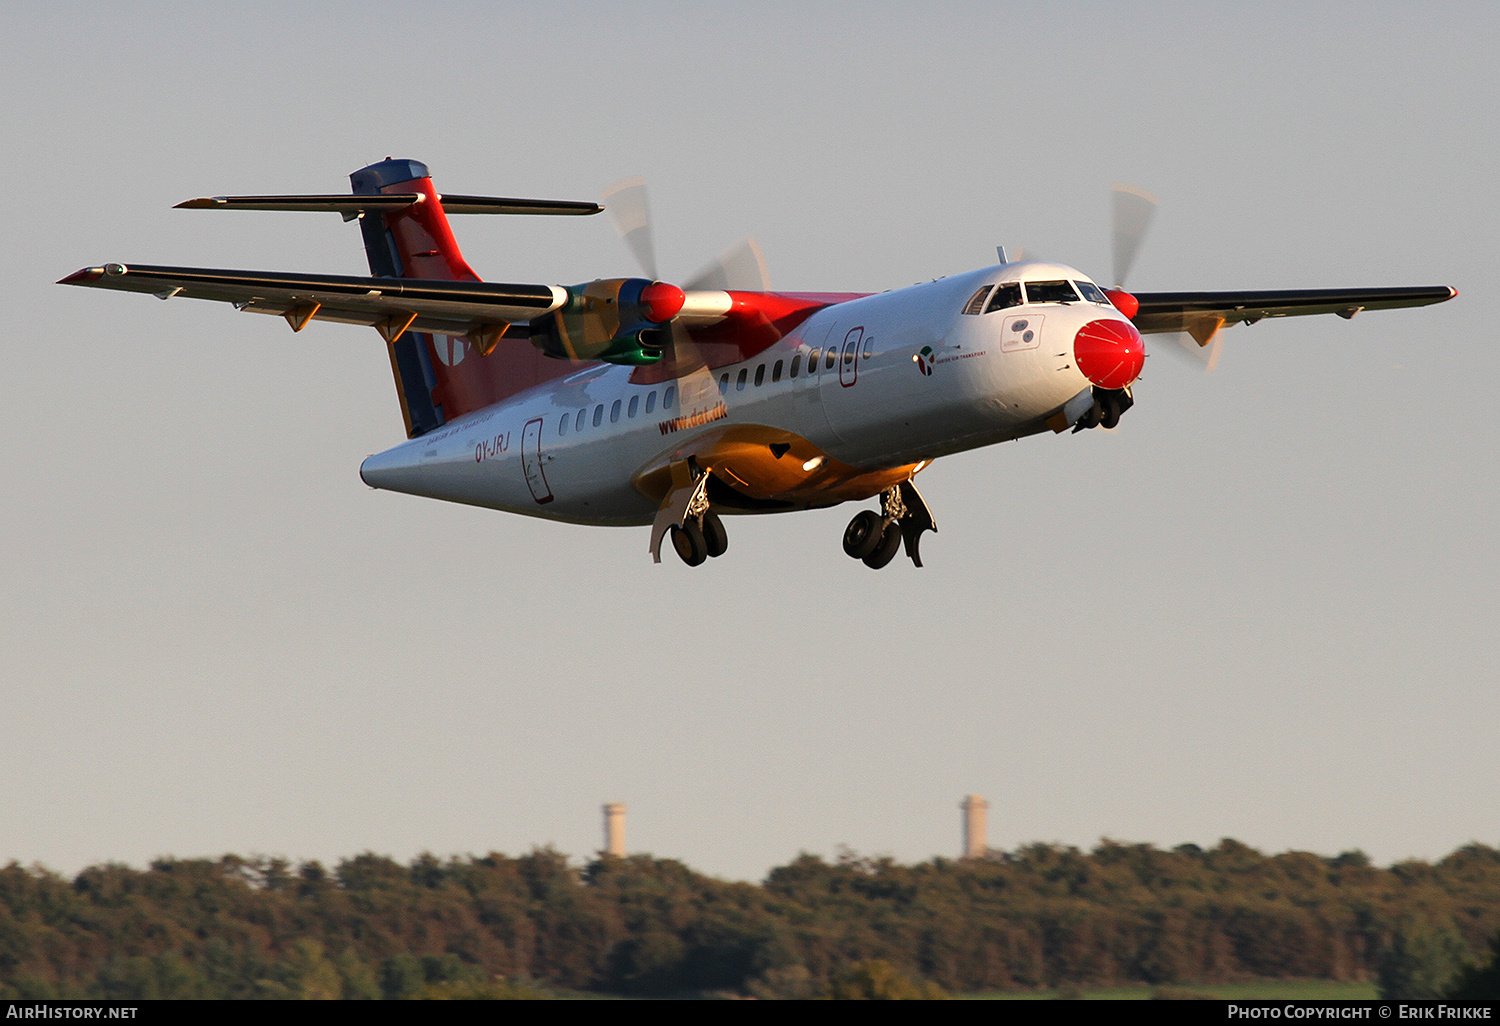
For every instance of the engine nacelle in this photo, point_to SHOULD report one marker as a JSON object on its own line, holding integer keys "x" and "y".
{"x": 618, "y": 320}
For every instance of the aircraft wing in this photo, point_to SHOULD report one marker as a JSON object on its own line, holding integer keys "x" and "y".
{"x": 481, "y": 310}
{"x": 1201, "y": 314}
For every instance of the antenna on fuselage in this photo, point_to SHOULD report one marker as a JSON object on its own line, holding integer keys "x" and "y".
{"x": 1000, "y": 252}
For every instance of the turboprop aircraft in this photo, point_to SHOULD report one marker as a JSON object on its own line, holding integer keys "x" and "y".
{"x": 633, "y": 401}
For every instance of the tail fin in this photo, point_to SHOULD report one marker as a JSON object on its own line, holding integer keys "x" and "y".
{"x": 412, "y": 242}
{"x": 442, "y": 377}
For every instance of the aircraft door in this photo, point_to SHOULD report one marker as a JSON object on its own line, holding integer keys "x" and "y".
{"x": 531, "y": 462}
{"x": 849, "y": 357}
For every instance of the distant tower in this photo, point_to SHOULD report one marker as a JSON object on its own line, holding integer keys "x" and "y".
{"x": 614, "y": 828}
{"x": 975, "y": 844}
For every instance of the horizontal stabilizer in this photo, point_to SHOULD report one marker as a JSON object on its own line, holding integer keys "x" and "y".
{"x": 483, "y": 311}
{"x": 352, "y": 206}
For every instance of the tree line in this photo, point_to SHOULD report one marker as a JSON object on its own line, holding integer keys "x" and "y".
{"x": 1039, "y": 917}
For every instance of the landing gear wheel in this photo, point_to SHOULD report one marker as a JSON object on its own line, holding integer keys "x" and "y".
{"x": 890, "y": 544}
{"x": 715, "y": 538}
{"x": 689, "y": 543}
{"x": 1091, "y": 417}
{"x": 863, "y": 536}
{"x": 1111, "y": 413}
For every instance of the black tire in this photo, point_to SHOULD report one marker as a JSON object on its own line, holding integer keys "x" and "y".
{"x": 715, "y": 538}
{"x": 1091, "y": 416}
{"x": 890, "y": 542}
{"x": 1112, "y": 412}
{"x": 688, "y": 543}
{"x": 862, "y": 536}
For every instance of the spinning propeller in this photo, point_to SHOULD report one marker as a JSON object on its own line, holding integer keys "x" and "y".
{"x": 742, "y": 268}
{"x": 1131, "y": 212}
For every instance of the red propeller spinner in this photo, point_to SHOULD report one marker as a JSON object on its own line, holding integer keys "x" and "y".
{"x": 661, "y": 302}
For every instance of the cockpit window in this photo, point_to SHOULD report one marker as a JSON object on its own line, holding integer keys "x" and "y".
{"x": 1092, "y": 292}
{"x": 976, "y": 301}
{"x": 1005, "y": 296}
{"x": 1050, "y": 292}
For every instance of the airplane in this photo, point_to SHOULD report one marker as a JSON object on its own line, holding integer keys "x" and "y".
{"x": 634, "y": 401}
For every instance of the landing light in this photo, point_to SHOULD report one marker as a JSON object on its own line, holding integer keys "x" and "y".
{"x": 813, "y": 464}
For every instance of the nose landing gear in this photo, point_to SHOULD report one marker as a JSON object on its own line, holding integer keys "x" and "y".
{"x": 1109, "y": 405}
{"x": 874, "y": 537}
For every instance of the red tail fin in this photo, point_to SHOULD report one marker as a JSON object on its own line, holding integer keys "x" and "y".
{"x": 438, "y": 377}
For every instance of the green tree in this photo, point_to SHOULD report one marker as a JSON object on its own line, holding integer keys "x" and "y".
{"x": 1423, "y": 961}
{"x": 1480, "y": 982}
{"x": 878, "y": 980}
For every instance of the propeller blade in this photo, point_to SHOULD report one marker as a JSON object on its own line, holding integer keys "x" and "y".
{"x": 741, "y": 267}
{"x": 1131, "y": 210}
{"x": 1184, "y": 348}
{"x": 627, "y": 205}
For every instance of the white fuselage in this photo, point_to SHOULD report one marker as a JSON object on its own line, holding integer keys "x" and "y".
{"x": 911, "y": 377}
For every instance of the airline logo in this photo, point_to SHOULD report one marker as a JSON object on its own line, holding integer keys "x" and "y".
{"x": 450, "y": 350}
{"x": 925, "y": 361}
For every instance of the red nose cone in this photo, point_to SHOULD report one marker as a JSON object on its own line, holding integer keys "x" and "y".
{"x": 661, "y": 302}
{"x": 1110, "y": 353}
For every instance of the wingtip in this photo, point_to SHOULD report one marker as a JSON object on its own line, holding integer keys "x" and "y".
{"x": 79, "y": 277}
{"x": 201, "y": 203}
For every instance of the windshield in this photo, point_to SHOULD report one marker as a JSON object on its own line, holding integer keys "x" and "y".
{"x": 1006, "y": 296}
{"x": 1092, "y": 293}
{"x": 1050, "y": 292}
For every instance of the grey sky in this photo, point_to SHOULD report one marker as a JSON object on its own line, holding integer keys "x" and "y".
{"x": 1264, "y": 608}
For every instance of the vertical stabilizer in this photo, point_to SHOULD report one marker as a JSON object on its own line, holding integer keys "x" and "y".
{"x": 386, "y": 236}
{"x": 438, "y": 377}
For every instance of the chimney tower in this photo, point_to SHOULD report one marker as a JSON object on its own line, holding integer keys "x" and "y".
{"x": 975, "y": 843}
{"x": 614, "y": 828}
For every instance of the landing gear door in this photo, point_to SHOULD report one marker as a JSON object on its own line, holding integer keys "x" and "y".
{"x": 531, "y": 462}
{"x": 849, "y": 357}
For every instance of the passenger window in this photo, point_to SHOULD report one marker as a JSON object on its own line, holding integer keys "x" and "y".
{"x": 976, "y": 301}
{"x": 849, "y": 355}
{"x": 635, "y": 405}
{"x": 812, "y": 361}
{"x": 1050, "y": 292}
{"x": 1006, "y": 296}
{"x": 776, "y": 372}
{"x": 739, "y": 382}
{"x": 796, "y": 364}
{"x": 614, "y": 412}
{"x": 562, "y": 425}
{"x": 724, "y": 383}
{"x": 651, "y": 401}
{"x": 598, "y": 415}
{"x": 869, "y": 347}
{"x": 578, "y": 424}
{"x": 669, "y": 397}
{"x": 760, "y": 375}
{"x": 830, "y": 359}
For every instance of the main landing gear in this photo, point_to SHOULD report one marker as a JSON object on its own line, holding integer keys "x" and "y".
{"x": 874, "y": 537}
{"x": 697, "y": 534}
{"x": 1109, "y": 405}
{"x": 695, "y": 530}
{"x": 699, "y": 538}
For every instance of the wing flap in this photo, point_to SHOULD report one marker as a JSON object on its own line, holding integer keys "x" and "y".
{"x": 1196, "y": 312}
{"x": 441, "y": 307}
